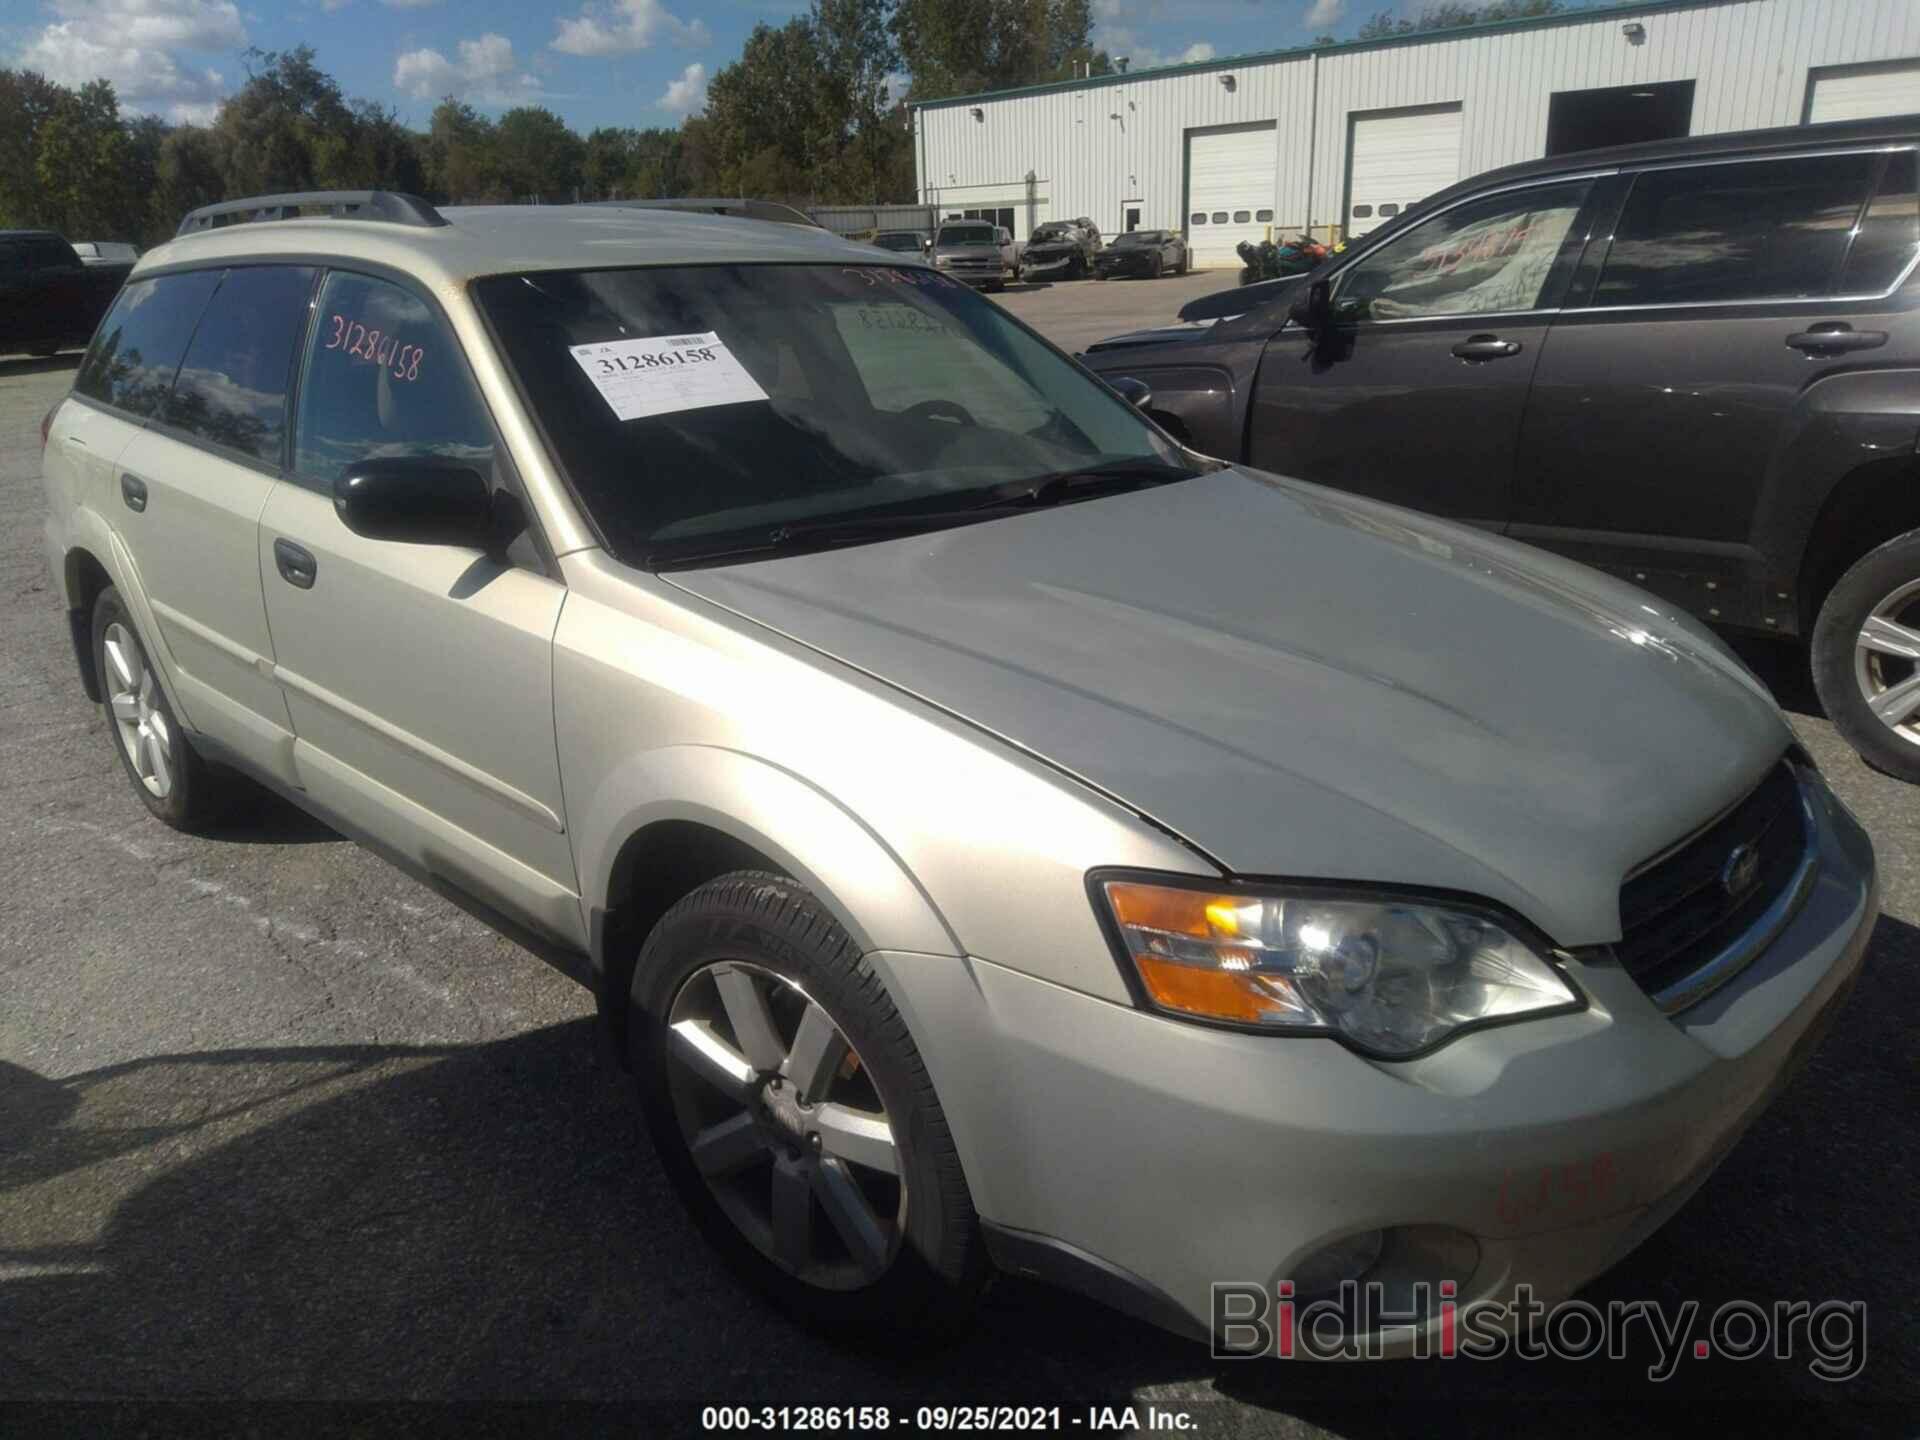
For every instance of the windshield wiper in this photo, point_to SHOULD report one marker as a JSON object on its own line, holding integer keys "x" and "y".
{"x": 1010, "y": 499}
{"x": 1081, "y": 484}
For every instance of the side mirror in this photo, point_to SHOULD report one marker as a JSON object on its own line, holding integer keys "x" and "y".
{"x": 1312, "y": 310}
{"x": 1136, "y": 393}
{"x": 418, "y": 500}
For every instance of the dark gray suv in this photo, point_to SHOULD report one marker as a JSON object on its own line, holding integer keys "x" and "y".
{"x": 1695, "y": 364}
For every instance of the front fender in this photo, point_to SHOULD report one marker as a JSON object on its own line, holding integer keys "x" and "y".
{"x": 807, "y": 833}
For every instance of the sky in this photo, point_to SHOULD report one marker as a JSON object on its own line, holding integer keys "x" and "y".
{"x": 594, "y": 62}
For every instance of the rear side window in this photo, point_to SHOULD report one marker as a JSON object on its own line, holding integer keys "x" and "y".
{"x": 232, "y": 386}
{"x": 49, "y": 254}
{"x": 131, "y": 362}
{"x": 383, "y": 378}
{"x": 1757, "y": 230}
{"x": 1889, "y": 232}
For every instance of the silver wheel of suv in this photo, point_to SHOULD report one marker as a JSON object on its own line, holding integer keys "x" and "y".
{"x": 785, "y": 1126}
{"x": 1886, "y": 662}
{"x": 139, "y": 722}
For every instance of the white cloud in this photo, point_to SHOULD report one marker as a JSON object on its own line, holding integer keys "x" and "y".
{"x": 484, "y": 70}
{"x": 1323, "y": 13}
{"x": 1140, "y": 54}
{"x": 688, "y": 93}
{"x": 626, "y": 25}
{"x": 135, "y": 44}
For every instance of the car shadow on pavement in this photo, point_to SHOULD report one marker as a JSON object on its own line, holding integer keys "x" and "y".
{"x": 273, "y": 820}
{"x": 379, "y": 1223}
{"x": 1782, "y": 667}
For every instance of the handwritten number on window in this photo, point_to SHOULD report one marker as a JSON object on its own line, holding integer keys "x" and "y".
{"x": 400, "y": 361}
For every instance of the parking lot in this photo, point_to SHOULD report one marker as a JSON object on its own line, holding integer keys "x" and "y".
{"x": 278, "y": 1124}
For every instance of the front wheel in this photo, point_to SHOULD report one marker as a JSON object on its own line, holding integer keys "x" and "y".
{"x": 794, "y": 1114}
{"x": 1154, "y": 270}
{"x": 1866, "y": 657}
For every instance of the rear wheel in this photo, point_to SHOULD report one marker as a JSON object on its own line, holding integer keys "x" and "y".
{"x": 1866, "y": 656}
{"x": 168, "y": 775}
{"x": 1156, "y": 265}
{"x": 795, "y": 1117}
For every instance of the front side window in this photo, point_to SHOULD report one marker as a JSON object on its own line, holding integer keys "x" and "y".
{"x": 697, "y": 407}
{"x": 1753, "y": 230}
{"x": 1485, "y": 257}
{"x": 383, "y": 378}
{"x": 1889, "y": 235}
{"x": 232, "y": 386}
{"x": 131, "y": 362}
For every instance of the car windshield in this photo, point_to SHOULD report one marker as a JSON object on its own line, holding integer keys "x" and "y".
{"x": 966, "y": 235}
{"x": 1053, "y": 232}
{"x": 1138, "y": 237}
{"x": 700, "y": 407}
{"x": 898, "y": 240}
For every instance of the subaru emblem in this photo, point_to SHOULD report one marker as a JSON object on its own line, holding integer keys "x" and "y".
{"x": 1740, "y": 872}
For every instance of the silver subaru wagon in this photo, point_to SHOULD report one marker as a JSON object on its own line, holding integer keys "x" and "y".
{"x": 997, "y": 837}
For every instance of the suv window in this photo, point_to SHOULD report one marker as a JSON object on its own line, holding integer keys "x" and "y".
{"x": 1501, "y": 254}
{"x": 46, "y": 253}
{"x": 131, "y": 362}
{"x": 1751, "y": 230}
{"x": 1889, "y": 234}
{"x": 383, "y": 377}
{"x": 232, "y": 386}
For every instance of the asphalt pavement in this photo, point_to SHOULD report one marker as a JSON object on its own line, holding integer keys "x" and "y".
{"x": 278, "y": 1125}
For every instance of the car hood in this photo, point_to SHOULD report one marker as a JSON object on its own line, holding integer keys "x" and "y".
{"x": 1304, "y": 684}
{"x": 1165, "y": 335}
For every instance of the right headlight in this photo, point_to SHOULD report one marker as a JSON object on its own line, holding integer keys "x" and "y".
{"x": 1391, "y": 976}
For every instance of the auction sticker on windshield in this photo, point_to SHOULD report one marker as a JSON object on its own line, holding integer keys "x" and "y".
{"x": 664, "y": 374}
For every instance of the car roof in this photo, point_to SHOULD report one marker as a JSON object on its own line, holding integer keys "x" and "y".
{"x": 502, "y": 239}
{"x": 1834, "y": 134}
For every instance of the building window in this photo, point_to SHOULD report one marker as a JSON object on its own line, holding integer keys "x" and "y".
{"x": 1363, "y": 212}
{"x": 1387, "y": 212}
{"x": 1219, "y": 217}
{"x": 1241, "y": 217}
{"x": 1199, "y": 217}
{"x": 1264, "y": 217}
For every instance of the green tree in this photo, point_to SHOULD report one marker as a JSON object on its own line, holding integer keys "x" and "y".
{"x": 1451, "y": 14}
{"x": 954, "y": 47}
{"x": 186, "y": 176}
{"x": 462, "y": 155}
{"x": 609, "y": 162}
{"x": 538, "y": 154}
{"x": 81, "y": 154}
{"x": 27, "y": 101}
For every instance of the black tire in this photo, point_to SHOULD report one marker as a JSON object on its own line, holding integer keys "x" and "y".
{"x": 930, "y": 1286}
{"x": 197, "y": 794}
{"x": 1872, "y": 580}
{"x": 1159, "y": 264}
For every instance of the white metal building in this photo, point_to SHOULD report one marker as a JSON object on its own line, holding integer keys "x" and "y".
{"x": 1338, "y": 138}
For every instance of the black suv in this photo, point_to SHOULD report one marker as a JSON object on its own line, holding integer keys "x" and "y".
{"x": 1695, "y": 364}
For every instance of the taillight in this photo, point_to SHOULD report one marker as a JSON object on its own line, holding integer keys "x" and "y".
{"x": 46, "y": 425}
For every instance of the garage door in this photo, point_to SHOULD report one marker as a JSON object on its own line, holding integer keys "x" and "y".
{"x": 1230, "y": 170}
{"x": 1399, "y": 157}
{"x": 1861, "y": 92}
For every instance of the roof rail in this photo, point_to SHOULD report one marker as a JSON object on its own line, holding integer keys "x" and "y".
{"x": 390, "y": 206}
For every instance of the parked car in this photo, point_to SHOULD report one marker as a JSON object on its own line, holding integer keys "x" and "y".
{"x": 903, "y": 242}
{"x": 1144, "y": 253}
{"x": 977, "y": 252}
{"x": 910, "y": 761}
{"x": 1060, "y": 250}
{"x": 48, "y": 298}
{"x": 1725, "y": 414}
{"x": 106, "y": 252}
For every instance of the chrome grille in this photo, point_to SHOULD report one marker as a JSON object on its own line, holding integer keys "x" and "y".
{"x": 1691, "y": 919}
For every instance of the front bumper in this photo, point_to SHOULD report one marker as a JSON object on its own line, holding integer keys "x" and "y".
{"x": 1178, "y": 1156}
{"x": 1047, "y": 266}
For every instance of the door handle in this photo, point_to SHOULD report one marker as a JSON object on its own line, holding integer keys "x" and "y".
{"x": 296, "y": 563}
{"x": 1486, "y": 347}
{"x": 134, "y": 491}
{"x": 1834, "y": 337}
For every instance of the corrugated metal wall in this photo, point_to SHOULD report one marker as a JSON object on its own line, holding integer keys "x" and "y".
{"x": 1095, "y": 147}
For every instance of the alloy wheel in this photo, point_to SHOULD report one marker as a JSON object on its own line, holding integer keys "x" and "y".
{"x": 785, "y": 1125}
{"x": 1886, "y": 662}
{"x": 145, "y": 734}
